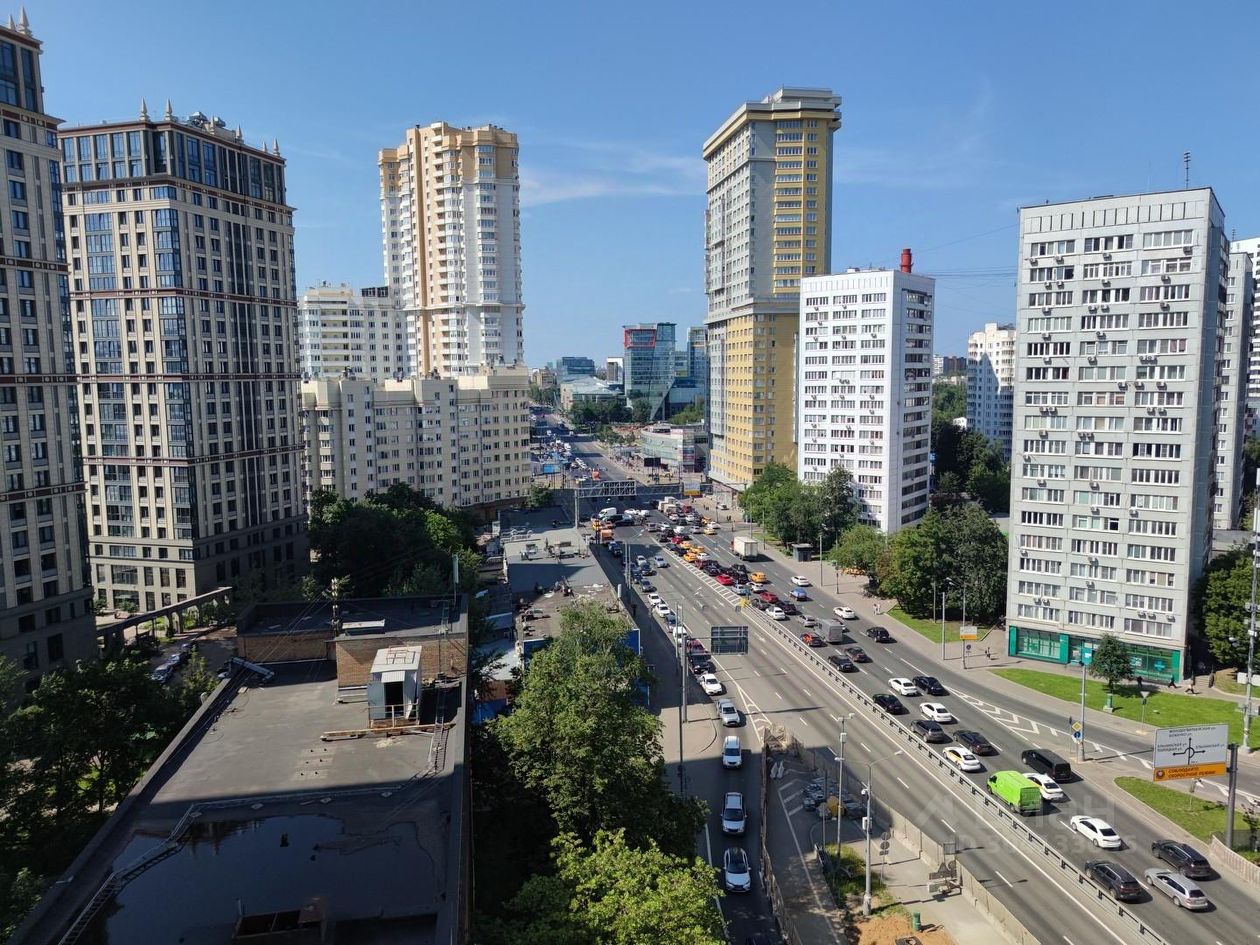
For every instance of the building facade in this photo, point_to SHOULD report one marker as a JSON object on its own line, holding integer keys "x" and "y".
{"x": 1251, "y": 247}
{"x": 1119, "y": 304}
{"x": 46, "y": 617}
{"x": 866, "y": 388}
{"x": 347, "y": 333}
{"x": 698, "y": 358}
{"x": 586, "y": 390}
{"x": 990, "y": 382}
{"x": 572, "y": 367}
{"x": 948, "y": 365}
{"x": 1233, "y": 348}
{"x": 649, "y": 364}
{"x": 678, "y": 448}
{"x": 614, "y": 370}
{"x": 767, "y": 227}
{"x": 450, "y": 219}
{"x": 184, "y": 324}
{"x": 462, "y": 441}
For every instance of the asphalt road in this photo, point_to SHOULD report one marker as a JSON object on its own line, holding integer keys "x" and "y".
{"x": 777, "y": 682}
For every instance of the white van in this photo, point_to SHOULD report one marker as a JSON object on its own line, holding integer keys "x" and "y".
{"x": 611, "y": 510}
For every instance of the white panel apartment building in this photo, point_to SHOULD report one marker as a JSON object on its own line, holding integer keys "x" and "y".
{"x": 1251, "y": 246}
{"x": 1112, "y": 478}
{"x": 1233, "y": 345}
{"x": 347, "y": 333}
{"x": 461, "y": 441}
{"x": 865, "y": 369}
{"x": 990, "y": 382}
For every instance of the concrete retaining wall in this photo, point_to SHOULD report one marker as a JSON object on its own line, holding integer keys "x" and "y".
{"x": 1222, "y": 856}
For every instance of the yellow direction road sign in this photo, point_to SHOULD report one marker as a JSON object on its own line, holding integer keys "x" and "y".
{"x": 969, "y": 631}
{"x": 1190, "y": 771}
{"x": 1190, "y": 751}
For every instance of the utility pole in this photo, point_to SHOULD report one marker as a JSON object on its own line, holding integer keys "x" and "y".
{"x": 870, "y": 826}
{"x": 1231, "y": 796}
{"x": 840, "y": 780}
{"x": 1251, "y": 626}
{"x": 943, "y": 626}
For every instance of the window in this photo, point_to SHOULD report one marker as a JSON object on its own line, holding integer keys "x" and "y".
{"x": 1167, "y": 238}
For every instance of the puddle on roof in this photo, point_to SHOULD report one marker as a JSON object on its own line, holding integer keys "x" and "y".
{"x": 194, "y": 896}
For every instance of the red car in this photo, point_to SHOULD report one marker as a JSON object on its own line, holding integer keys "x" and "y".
{"x": 725, "y": 580}
{"x": 770, "y": 597}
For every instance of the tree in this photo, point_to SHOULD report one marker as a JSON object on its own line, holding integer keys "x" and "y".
{"x": 541, "y": 395}
{"x": 1110, "y": 660}
{"x": 949, "y": 483}
{"x": 692, "y": 413}
{"x": 1221, "y": 600}
{"x": 949, "y": 401}
{"x": 916, "y": 562}
{"x": 580, "y": 736}
{"x": 539, "y": 497}
{"x": 615, "y": 893}
{"x": 838, "y": 510}
{"x": 755, "y": 498}
{"x": 860, "y": 547}
{"x": 976, "y": 552}
{"x": 990, "y": 485}
{"x": 640, "y": 410}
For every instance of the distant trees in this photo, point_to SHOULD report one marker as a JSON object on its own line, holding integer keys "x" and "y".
{"x": 540, "y": 395}
{"x": 692, "y": 413}
{"x": 862, "y": 547}
{"x": 597, "y": 412}
{"x": 1221, "y": 601}
{"x": 968, "y": 461}
{"x": 539, "y": 497}
{"x": 949, "y": 401}
{"x": 793, "y": 511}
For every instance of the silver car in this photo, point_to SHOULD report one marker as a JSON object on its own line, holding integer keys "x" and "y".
{"x": 1183, "y": 891}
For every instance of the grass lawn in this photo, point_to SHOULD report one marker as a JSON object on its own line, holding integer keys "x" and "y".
{"x": 932, "y": 628}
{"x": 1193, "y": 814}
{"x": 1163, "y": 708}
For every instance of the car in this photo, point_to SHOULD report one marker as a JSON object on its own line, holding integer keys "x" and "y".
{"x": 1183, "y": 858}
{"x": 798, "y": 593}
{"x": 704, "y": 556}
{"x": 1182, "y": 890}
{"x": 930, "y": 686}
{"x": 878, "y": 634}
{"x": 163, "y": 673}
{"x": 890, "y": 704}
{"x": 662, "y": 608}
{"x": 756, "y": 586}
{"x": 1048, "y": 786}
{"x": 640, "y": 562}
{"x": 647, "y": 585}
{"x": 759, "y": 577}
{"x": 800, "y": 580}
{"x": 844, "y": 613}
{"x": 1098, "y": 832}
{"x": 935, "y": 711}
{"x": 732, "y": 753}
{"x": 776, "y": 613}
{"x": 711, "y": 685}
{"x": 736, "y": 873}
{"x": 842, "y": 663}
{"x": 809, "y": 621}
{"x": 789, "y": 608}
{"x": 654, "y": 599}
{"x": 962, "y": 759}
{"x": 734, "y": 816}
{"x": 681, "y": 634}
{"x": 812, "y": 639}
{"x": 1114, "y": 878}
{"x": 851, "y": 807}
{"x": 929, "y": 731}
{"x": 975, "y": 742}
{"x": 727, "y": 713}
{"x": 770, "y": 597}
{"x": 700, "y": 664}
{"x": 724, "y": 579}
{"x": 902, "y": 686}
{"x": 857, "y": 654}
{"x": 660, "y": 561}
{"x": 741, "y": 590}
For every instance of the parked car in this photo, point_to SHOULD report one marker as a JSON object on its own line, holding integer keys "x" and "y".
{"x": 842, "y": 663}
{"x": 727, "y": 713}
{"x": 1098, "y": 832}
{"x": 736, "y": 874}
{"x": 800, "y": 580}
{"x": 741, "y": 590}
{"x": 1048, "y": 786}
{"x": 890, "y": 704}
{"x": 976, "y": 742}
{"x": 935, "y": 711}
{"x": 1182, "y": 890}
{"x": 930, "y": 686}
{"x": 962, "y": 759}
{"x": 1114, "y": 878}
{"x": 711, "y": 685}
{"x": 844, "y": 613}
{"x": 1183, "y": 858}
{"x": 734, "y": 816}
{"x": 163, "y": 673}
{"x": 857, "y": 654}
{"x": 929, "y": 731}
{"x": 903, "y": 686}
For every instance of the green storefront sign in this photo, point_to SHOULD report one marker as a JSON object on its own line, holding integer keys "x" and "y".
{"x": 1054, "y": 646}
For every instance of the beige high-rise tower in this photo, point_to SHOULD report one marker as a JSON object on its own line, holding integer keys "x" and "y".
{"x": 768, "y": 225}
{"x": 450, "y": 220}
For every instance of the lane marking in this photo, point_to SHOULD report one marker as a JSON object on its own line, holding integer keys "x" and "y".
{"x": 806, "y": 692}
{"x": 803, "y": 722}
{"x": 903, "y": 784}
{"x": 778, "y": 695}
{"x": 864, "y": 748}
{"x": 1002, "y": 878}
{"x": 947, "y": 824}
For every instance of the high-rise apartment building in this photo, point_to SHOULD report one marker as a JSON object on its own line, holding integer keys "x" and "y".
{"x": 1233, "y": 348}
{"x": 614, "y": 370}
{"x": 1119, "y": 304}
{"x": 698, "y": 358}
{"x": 767, "y": 226}
{"x": 649, "y": 364}
{"x": 46, "y": 619}
{"x": 184, "y": 324}
{"x": 347, "y": 333}
{"x": 866, "y": 388}
{"x": 462, "y": 441}
{"x": 450, "y": 218}
{"x": 990, "y": 382}
{"x": 1251, "y": 247}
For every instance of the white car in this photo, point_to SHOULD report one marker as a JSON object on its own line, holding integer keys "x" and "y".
{"x": 1047, "y": 785}
{"x": 732, "y": 753}
{"x": 935, "y": 711}
{"x": 800, "y": 580}
{"x": 641, "y": 561}
{"x": 660, "y": 561}
{"x": 654, "y": 598}
{"x": 776, "y": 613}
{"x": 734, "y": 816}
{"x": 1098, "y": 832}
{"x": 903, "y": 686}
{"x": 756, "y": 586}
{"x": 711, "y": 685}
{"x": 680, "y": 634}
{"x": 704, "y": 556}
{"x": 736, "y": 874}
{"x": 844, "y": 613}
{"x": 962, "y": 759}
{"x": 727, "y": 713}
{"x": 662, "y": 608}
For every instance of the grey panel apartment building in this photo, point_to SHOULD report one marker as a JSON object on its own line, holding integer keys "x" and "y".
{"x": 990, "y": 380}
{"x": 184, "y": 317}
{"x": 45, "y": 618}
{"x": 1233, "y": 348}
{"x": 1119, "y": 304}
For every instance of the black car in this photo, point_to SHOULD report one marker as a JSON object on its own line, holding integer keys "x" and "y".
{"x": 878, "y": 634}
{"x": 889, "y": 703}
{"x": 1184, "y": 858}
{"x": 929, "y": 731}
{"x": 857, "y": 654}
{"x": 929, "y": 685}
{"x": 842, "y": 663}
{"x": 976, "y": 743}
{"x": 1114, "y": 878}
{"x": 788, "y": 608}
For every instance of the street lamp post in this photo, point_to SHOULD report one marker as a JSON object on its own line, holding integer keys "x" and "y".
{"x": 840, "y": 780}
{"x": 1251, "y": 626}
{"x": 870, "y": 775}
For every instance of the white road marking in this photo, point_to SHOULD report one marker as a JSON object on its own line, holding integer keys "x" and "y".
{"x": 778, "y": 695}
{"x": 864, "y": 748}
{"x": 806, "y": 692}
{"x": 803, "y": 722}
{"x": 1068, "y": 940}
{"x": 947, "y": 824}
{"x": 903, "y": 783}
{"x": 835, "y": 718}
{"x": 1001, "y": 877}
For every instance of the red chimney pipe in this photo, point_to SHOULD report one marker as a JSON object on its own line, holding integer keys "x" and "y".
{"x": 907, "y": 260}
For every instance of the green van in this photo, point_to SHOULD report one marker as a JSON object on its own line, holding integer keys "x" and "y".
{"x": 1019, "y": 794}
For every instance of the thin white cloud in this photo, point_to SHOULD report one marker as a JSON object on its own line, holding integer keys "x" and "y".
{"x": 584, "y": 169}
{"x": 547, "y": 185}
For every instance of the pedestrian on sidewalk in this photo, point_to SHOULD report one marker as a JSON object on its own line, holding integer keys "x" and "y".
{"x": 1211, "y": 680}
{"x": 877, "y": 609}
{"x": 986, "y": 654}
{"x": 1172, "y": 683}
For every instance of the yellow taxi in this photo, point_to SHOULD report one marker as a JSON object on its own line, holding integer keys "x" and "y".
{"x": 757, "y": 577}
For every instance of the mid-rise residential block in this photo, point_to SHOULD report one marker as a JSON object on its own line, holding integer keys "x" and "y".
{"x": 347, "y": 333}
{"x": 1233, "y": 348}
{"x": 990, "y": 382}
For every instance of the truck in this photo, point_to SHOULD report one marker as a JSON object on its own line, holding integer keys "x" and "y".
{"x": 745, "y": 548}
{"x": 1016, "y": 791}
{"x": 833, "y": 631}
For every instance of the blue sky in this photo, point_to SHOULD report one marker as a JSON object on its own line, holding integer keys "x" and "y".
{"x": 954, "y": 115}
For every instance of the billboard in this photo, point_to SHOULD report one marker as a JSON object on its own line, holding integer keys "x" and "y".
{"x": 639, "y": 338}
{"x": 1191, "y": 751}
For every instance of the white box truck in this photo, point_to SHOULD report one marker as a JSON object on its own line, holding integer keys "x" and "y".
{"x": 833, "y": 631}
{"x": 745, "y": 548}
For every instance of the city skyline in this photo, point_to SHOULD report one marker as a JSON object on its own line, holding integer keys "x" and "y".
{"x": 633, "y": 167}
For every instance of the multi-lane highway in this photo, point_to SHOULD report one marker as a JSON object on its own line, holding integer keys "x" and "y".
{"x": 780, "y": 682}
